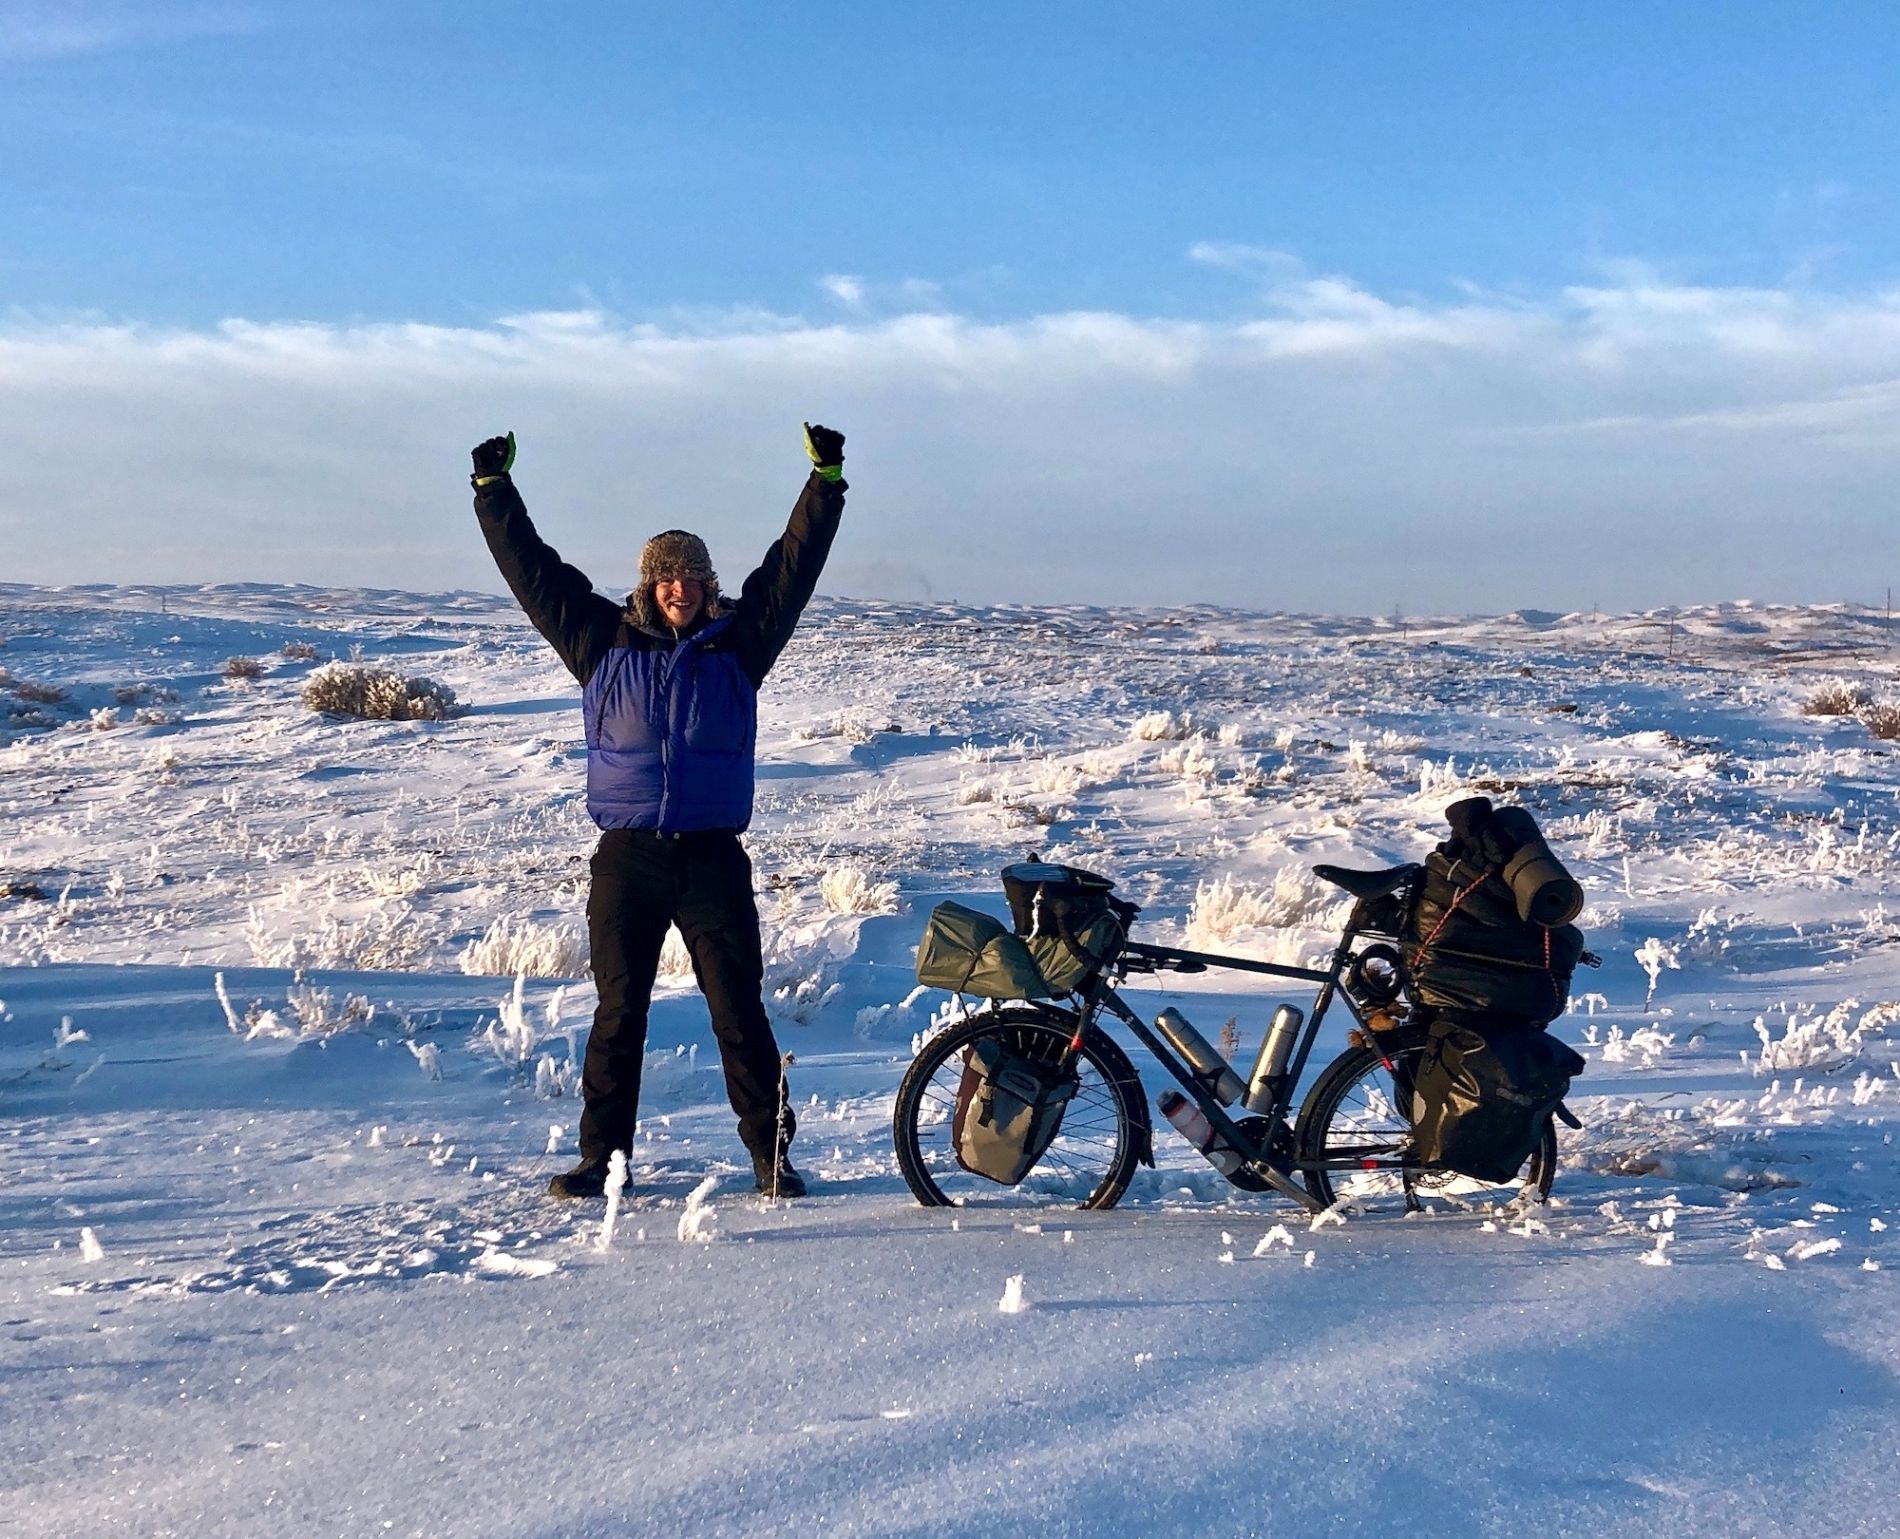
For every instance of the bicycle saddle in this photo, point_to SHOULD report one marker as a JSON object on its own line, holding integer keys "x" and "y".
{"x": 1367, "y": 884}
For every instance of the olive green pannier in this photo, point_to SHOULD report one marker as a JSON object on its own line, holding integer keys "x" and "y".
{"x": 1064, "y": 963}
{"x": 968, "y": 952}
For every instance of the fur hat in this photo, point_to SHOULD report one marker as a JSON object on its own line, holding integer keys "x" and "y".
{"x": 672, "y": 554}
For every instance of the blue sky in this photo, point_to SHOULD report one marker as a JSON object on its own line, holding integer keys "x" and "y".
{"x": 811, "y": 177}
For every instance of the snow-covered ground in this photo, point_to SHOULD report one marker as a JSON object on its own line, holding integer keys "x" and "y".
{"x": 274, "y": 1256}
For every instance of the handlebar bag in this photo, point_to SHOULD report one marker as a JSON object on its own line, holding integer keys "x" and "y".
{"x": 1481, "y": 1098}
{"x": 968, "y": 952}
{"x": 1068, "y": 918}
{"x": 1008, "y": 1111}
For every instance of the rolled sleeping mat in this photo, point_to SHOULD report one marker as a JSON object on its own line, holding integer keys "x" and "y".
{"x": 1546, "y": 894}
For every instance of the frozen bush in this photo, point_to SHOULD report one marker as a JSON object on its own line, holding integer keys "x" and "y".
{"x": 1837, "y": 697}
{"x": 1162, "y": 726}
{"x": 1224, "y": 910}
{"x": 970, "y": 791}
{"x": 676, "y": 962}
{"x": 1190, "y": 760}
{"x": 853, "y": 890}
{"x": 377, "y": 694}
{"x": 1882, "y": 720}
{"x": 319, "y": 1015}
{"x": 38, "y": 694}
{"x": 239, "y": 670}
{"x": 395, "y": 940}
{"x": 105, "y": 718}
{"x": 523, "y": 948}
{"x": 1055, "y": 777}
{"x": 298, "y": 652}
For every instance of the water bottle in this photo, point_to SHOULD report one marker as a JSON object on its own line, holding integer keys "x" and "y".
{"x": 1275, "y": 1049}
{"x": 1202, "y": 1056}
{"x": 1193, "y": 1125}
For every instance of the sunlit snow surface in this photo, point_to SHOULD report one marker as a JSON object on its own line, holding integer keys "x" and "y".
{"x": 279, "y": 1261}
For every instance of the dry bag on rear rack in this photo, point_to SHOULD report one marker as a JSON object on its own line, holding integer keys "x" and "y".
{"x": 1068, "y": 918}
{"x": 1009, "y": 1110}
{"x": 1482, "y": 1098}
{"x": 968, "y": 952}
{"x": 1488, "y": 932}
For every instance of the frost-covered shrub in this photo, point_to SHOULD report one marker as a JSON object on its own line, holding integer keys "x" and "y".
{"x": 298, "y": 652}
{"x": 241, "y": 670}
{"x": 676, "y": 962}
{"x": 1162, "y": 726}
{"x": 1030, "y": 814}
{"x": 319, "y": 1015}
{"x": 395, "y": 940}
{"x": 853, "y": 890}
{"x": 1190, "y": 760}
{"x": 38, "y": 694}
{"x": 1224, "y": 910}
{"x": 1823, "y": 1042}
{"x": 377, "y": 694}
{"x": 1056, "y": 777}
{"x": 523, "y": 948}
{"x": 972, "y": 790}
{"x": 1837, "y": 697}
{"x": 1882, "y": 720}
{"x": 105, "y": 718}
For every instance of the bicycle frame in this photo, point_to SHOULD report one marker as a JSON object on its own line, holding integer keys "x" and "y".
{"x": 1261, "y": 1160}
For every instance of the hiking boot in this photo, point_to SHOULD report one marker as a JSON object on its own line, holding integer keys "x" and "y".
{"x": 587, "y": 1179}
{"x": 776, "y": 1178}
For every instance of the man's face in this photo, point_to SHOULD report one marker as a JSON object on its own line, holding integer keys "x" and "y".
{"x": 679, "y": 599}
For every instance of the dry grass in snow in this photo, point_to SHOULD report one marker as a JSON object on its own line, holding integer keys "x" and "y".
{"x": 853, "y": 890}
{"x": 521, "y": 947}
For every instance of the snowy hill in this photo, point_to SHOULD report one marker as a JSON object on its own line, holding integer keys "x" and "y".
{"x": 274, "y": 1255}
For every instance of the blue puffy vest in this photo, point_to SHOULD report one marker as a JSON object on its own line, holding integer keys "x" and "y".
{"x": 670, "y": 736}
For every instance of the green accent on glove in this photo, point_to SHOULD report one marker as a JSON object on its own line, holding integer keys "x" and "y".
{"x": 826, "y": 449}
{"x": 507, "y": 465}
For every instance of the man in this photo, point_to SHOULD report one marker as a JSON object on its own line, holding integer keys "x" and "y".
{"x": 670, "y": 704}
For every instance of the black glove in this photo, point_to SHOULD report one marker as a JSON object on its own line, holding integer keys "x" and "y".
{"x": 493, "y": 459}
{"x": 826, "y": 449}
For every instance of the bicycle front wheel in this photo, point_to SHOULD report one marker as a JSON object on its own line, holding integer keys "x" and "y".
{"x": 1093, "y": 1157}
{"x": 1358, "y": 1109}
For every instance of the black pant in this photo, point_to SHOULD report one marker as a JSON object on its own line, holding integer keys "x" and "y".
{"x": 702, "y": 882}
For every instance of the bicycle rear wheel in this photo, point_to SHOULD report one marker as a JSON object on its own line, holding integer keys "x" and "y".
{"x": 1093, "y": 1157}
{"x": 1357, "y": 1109}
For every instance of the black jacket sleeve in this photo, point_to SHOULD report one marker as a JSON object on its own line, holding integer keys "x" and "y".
{"x": 775, "y": 595}
{"x": 558, "y": 599}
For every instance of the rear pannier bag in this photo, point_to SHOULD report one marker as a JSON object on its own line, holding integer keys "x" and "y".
{"x": 1067, "y": 917}
{"x": 1482, "y": 1097}
{"x": 968, "y": 952}
{"x": 1009, "y": 1109}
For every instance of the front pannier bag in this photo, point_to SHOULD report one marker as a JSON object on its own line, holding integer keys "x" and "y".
{"x": 968, "y": 952}
{"x": 1481, "y": 1099}
{"x": 1009, "y": 1110}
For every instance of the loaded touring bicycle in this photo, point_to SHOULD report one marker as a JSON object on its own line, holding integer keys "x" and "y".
{"x": 1029, "y": 1099}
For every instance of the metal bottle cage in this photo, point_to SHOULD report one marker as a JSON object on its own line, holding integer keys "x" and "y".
{"x": 1276, "y": 1169}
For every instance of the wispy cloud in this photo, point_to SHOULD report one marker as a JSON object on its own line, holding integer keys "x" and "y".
{"x": 31, "y": 31}
{"x": 1624, "y": 442}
